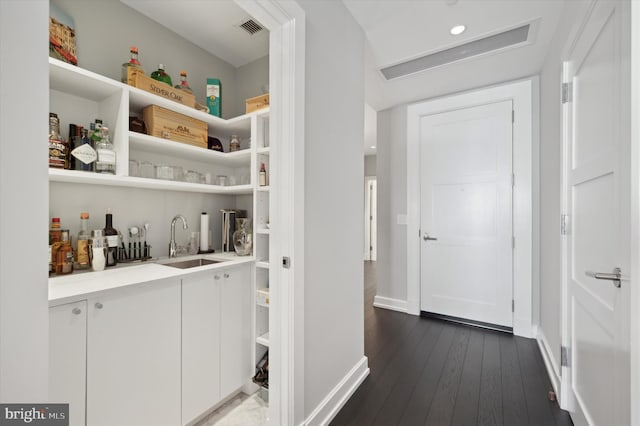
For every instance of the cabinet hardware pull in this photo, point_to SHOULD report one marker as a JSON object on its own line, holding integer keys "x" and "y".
{"x": 98, "y": 305}
{"x": 217, "y": 277}
{"x": 76, "y": 311}
{"x": 226, "y": 275}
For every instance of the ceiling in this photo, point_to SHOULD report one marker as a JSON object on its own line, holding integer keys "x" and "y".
{"x": 396, "y": 31}
{"x": 211, "y": 25}
{"x": 399, "y": 30}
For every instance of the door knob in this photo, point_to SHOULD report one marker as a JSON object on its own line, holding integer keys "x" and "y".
{"x": 616, "y": 276}
{"x": 428, "y": 238}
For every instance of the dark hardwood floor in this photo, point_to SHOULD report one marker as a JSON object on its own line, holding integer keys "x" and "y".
{"x": 431, "y": 372}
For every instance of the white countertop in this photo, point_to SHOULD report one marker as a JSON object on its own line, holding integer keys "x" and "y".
{"x": 79, "y": 285}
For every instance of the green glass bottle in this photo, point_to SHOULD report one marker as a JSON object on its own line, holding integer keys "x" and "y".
{"x": 161, "y": 75}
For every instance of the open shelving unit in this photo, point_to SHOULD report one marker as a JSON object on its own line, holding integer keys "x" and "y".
{"x": 79, "y": 95}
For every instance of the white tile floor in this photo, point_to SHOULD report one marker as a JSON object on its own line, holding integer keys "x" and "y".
{"x": 242, "y": 410}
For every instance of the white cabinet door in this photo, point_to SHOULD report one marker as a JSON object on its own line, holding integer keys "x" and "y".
{"x": 200, "y": 344}
{"x": 235, "y": 331}
{"x": 133, "y": 371}
{"x": 68, "y": 358}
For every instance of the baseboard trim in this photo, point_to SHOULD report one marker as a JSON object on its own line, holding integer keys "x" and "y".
{"x": 335, "y": 400}
{"x": 391, "y": 304}
{"x": 549, "y": 362}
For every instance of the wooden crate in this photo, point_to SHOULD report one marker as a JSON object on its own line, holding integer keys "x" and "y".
{"x": 259, "y": 102}
{"x": 166, "y": 124}
{"x": 142, "y": 81}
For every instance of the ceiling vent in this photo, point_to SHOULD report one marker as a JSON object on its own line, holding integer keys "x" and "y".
{"x": 251, "y": 26}
{"x": 510, "y": 38}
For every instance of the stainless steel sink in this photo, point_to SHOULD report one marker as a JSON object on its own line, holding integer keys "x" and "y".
{"x": 192, "y": 263}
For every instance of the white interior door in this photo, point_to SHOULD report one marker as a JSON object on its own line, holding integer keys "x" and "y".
{"x": 466, "y": 214}
{"x": 597, "y": 145}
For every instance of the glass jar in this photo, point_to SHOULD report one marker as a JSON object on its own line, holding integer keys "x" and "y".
{"x": 243, "y": 237}
{"x": 234, "y": 143}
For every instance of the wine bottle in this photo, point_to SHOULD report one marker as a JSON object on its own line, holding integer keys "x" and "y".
{"x": 112, "y": 240}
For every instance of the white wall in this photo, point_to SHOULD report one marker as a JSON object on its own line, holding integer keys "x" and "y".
{"x": 105, "y": 30}
{"x": 334, "y": 178}
{"x": 251, "y": 80}
{"x": 392, "y": 202}
{"x": 24, "y": 88}
{"x": 370, "y": 165}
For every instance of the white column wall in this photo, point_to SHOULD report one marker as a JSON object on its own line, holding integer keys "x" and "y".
{"x": 24, "y": 101}
{"x": 334, "y": 178}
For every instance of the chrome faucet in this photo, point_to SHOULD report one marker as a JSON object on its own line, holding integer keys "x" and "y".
{"x": 173, "y": 247}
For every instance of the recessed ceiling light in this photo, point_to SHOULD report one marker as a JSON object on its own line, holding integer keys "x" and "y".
{"x": 457, "y": 30}
{"x": 372, "y": 147}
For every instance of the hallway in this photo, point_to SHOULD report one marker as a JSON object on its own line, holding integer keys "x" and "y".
{"x": 436, "y": 373}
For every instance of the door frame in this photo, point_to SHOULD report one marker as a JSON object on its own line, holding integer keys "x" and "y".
{"x": 526, "y": 161}
{"x": 285, "y": 21}
{"x": 635, "y": 212}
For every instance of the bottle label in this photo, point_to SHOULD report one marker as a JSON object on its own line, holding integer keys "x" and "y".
{"x": 213, "y": 90}
{"x": 85, "y": 153}
{"x": 57, "y": 154}
{"x": 83, "y": 252}
{"x": 106, "y": 156}
{"x": 112, "y": 240}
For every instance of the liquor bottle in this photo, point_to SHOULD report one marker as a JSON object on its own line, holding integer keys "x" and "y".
{"x": 55, "y": 238}
{"x": 183, "y": 83}
{"x": 161, "y": 75}
{"x": 106, "y": 154}
{"x": 262, "y": 176}
{"x": 74, "y": 133}
{"x": 133, "y": 64}
{"x": 112, "y": 240}
{"x": 64, "y": 255}
{"x": 58, "y": 147}
{"x": 82, "y": 243}
{"x": 83, "y": 152}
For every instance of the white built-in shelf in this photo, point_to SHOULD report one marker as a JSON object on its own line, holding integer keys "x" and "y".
{"x": 263, "y": 188}
{"x": 86, "y": 84}
{"x": 262, "y": 264}
{"x": 72, "y": 176}
{"x": 263, "y": 339}
{"x": 264, "y": 151}
{"x": 83, "y": 83}
{"x": 152, "y": 144}
{"x": 263, "y": 231}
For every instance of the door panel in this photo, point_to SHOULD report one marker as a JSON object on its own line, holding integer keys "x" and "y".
{"x": 596, "y": 380}
{"x": 466, "y": 203}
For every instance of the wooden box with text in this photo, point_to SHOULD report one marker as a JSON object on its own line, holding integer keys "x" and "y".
{"x": 166, "y": 124}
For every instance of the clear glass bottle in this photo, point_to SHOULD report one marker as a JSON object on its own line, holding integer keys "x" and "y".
{"x": 58, "y": 147}
{"x": 234, "y": 143}
{"x": 82, "y": 243}
{"x": 161, "y": 75}
{"x": 183, "y": 83}
{"x": 83, "y": 152}
{"x": 112, "y": 240}
{"x": 106, "y": 153}
{"x": 64, "y": 255}
{"x": 133, "y": 63}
